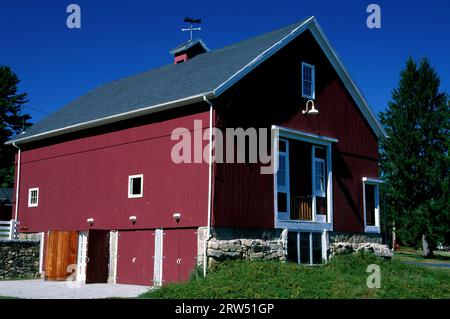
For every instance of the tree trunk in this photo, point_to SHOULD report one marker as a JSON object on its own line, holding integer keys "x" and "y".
{"x": 427, "y": 250}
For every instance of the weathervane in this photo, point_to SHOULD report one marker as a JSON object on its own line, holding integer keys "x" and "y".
{"x": 191, "y": 28}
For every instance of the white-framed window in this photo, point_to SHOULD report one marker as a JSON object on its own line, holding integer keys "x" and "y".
{"x": 135, "y": 186}
{"x": 319, "y": 177}
{"x": 33, "y": 197}
{"x": 283, "y": 196}
{"x": 308, "y": 81}
{"x": 306, "y": 247}
{"x": 371, "y": 204}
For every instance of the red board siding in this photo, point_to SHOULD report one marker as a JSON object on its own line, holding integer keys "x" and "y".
{"x": 87, "y": 177}
{"x": 271, "y": 94}
{"x": 135, "y": 262}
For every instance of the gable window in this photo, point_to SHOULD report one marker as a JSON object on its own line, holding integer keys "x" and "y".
{"x": 135, "y": 186}
{"x": 371, "y": 205}
{"x": 308, "y": 81}
{"x": 33, "y": 197}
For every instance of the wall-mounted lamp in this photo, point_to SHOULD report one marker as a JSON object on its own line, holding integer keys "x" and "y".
{"x": 312, "y": 110}
{"x": 177, "y": 217}
{"x": 132, "y": 219}
{"x": 90, "y": 221}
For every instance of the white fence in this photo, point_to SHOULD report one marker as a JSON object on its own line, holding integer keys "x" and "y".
{"x": 8, "y": 229}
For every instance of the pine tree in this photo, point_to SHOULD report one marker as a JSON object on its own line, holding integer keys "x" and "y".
{"x": 415, "y": 160}
{"x": 13, "y": 121}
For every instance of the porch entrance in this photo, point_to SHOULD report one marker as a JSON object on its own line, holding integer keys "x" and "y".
{"x": 302, "y": 181}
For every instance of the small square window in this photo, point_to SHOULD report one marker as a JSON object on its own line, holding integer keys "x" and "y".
{"x": 308, "y": 81}
{"x": 135, "y": 186}
{"x": 33, "y": 197}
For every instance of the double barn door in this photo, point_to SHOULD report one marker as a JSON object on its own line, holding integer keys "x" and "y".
{"x": 69, "y": 253}
{"x": 179, "y": 254}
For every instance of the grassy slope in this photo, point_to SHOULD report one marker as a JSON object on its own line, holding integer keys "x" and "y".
{"x": 343, "y": 277}
{"x": 410, "y": 254}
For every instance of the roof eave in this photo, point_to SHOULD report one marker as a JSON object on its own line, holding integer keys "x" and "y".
{"x": 114, "y": 118}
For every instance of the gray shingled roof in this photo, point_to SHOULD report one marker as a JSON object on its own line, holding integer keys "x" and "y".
{"x": 206, "y": 75}
{"x": 201, "y": 74}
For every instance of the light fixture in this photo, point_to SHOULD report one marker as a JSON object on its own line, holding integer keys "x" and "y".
{"x": 90, "y": 221}
{"x": 312, "y": 111}
{"x": 177, "y": 217}
{"x": 132, "y": 219}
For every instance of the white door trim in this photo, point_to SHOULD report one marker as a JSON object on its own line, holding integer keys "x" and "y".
{"x": 81, "y": 256}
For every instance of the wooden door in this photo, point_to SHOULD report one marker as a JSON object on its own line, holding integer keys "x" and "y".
{"x": 171, "y": 253}
{"x": 97, "y": 257}
{"x": 60, "y": 254}
{"x": 188, "y": 253}
{"x": 179, "y": 254}
{"x": 135, "y": 257}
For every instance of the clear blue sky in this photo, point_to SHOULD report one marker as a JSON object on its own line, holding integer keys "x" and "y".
{"x": 121, "y": 38}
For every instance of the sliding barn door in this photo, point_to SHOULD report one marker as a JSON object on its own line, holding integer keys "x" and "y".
{"x": 60, "y": 255}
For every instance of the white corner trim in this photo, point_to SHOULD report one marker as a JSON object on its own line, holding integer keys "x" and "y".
{"x": 130, "y": 195}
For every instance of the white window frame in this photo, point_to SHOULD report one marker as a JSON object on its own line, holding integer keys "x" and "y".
{"x": 317, "y": 217}
{"x": 130, "y": 178}
{"x": 286, "y": 188}
{"x": 313, "y": 81}
{"x": 376, "y": 183}
{"x": 324, "y": 141}
{"x": 319, "y": 160}
{"x": 30, "y": 190}
{"x": 310, "y": 248}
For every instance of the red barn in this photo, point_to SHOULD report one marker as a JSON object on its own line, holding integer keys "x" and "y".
{"x": 99, "y": 180}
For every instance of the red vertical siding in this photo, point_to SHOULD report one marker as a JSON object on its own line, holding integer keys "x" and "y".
{"x": 271, "y": 94}
{"x": 87, "y": 177}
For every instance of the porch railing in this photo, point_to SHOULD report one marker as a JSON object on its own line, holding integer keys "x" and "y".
{"x": 301, "y": 208}
{"x": 8, "y": 229}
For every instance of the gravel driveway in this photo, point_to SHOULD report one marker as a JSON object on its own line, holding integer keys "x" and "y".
{"x": 40, "y": 289}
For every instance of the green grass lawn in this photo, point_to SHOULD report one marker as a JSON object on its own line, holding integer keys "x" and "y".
{"x": 411, "y": 254}
{"x": 343, "y": 277}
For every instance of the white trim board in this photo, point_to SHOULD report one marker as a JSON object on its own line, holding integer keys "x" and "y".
{"x": 309, "y": 24}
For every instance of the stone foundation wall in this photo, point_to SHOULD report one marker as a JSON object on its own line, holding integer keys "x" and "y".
{"x": 337, "y": 237}
{"x": 19, "y": 259}
{"x": 378, "y": 250}
{"x": 250, "y": 249}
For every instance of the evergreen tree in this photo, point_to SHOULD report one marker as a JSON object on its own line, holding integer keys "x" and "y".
{"x": 415, "y": 160}
{"x": 13, "y": 121}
